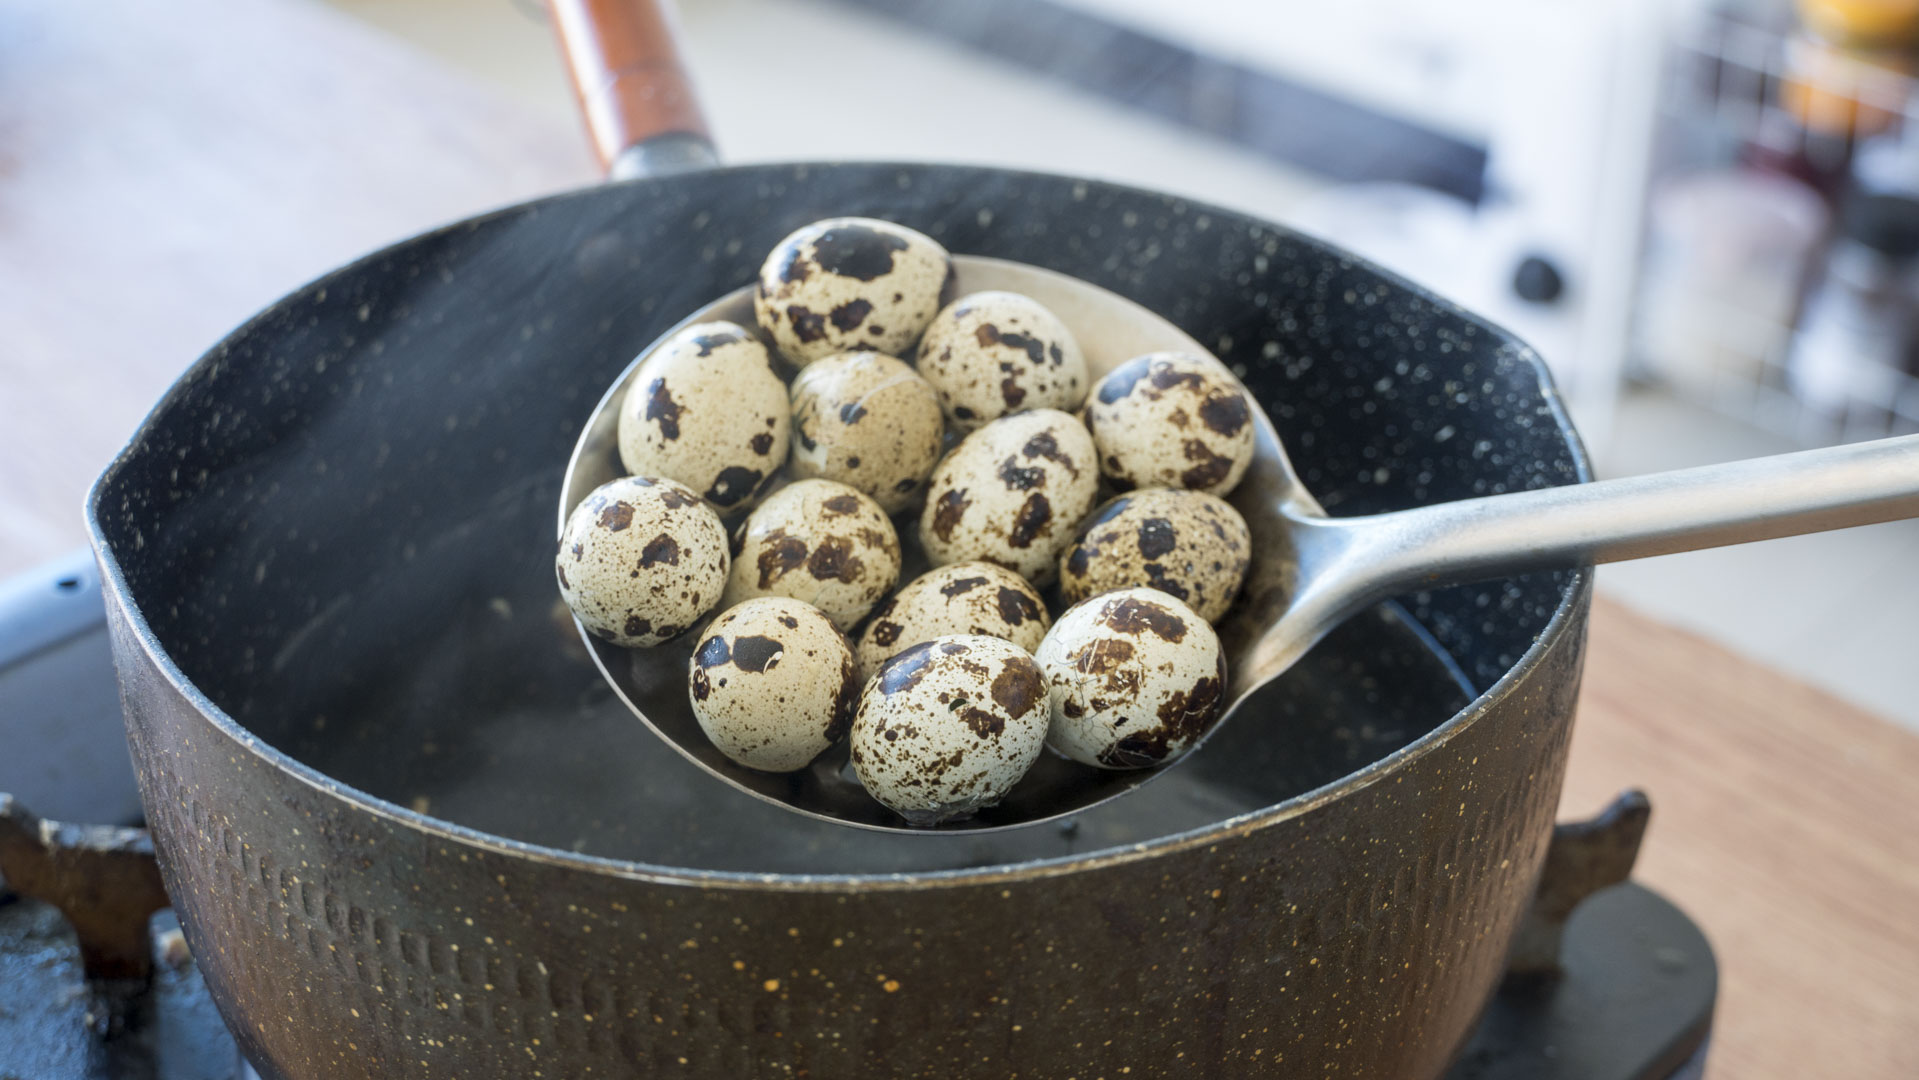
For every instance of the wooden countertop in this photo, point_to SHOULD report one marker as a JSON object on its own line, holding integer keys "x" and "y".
{"x": 169, "y": 169}
{"x": 166, "y": 170}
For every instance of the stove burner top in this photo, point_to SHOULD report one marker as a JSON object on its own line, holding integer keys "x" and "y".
{"x": 1634, "y": 1003}
{"x": 1624, "y": 990}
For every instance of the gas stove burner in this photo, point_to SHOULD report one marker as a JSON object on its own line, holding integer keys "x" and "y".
{"x": 55, "y": 1024}
{"x": 1634, "y": 1000}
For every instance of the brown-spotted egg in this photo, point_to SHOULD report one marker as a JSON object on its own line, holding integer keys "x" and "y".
{"x": 868, "y": 421}
{"x": 1172, "y": 420}
{"x": 963, "y": 598}
{"x": 640, "y": 560}
{"x": 1135, "y": 678}
{"x": 1011, "y": 493}
{"x": 817, "y": 541}
{"x": 850, "y": 283}
{"x": 772, "y": 684}
{"x": 988, "y": 354}
{"x": 949, "y": 726}
{"x": 707, "y": 409}
{"x": 1189, "y": 544}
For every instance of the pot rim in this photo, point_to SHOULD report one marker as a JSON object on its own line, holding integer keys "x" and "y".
{"x": 116, "y": 589}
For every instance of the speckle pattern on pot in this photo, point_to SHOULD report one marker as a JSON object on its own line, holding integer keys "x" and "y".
{"x": 640, "y": 560}
{"x": 1189, "y": 544}
{"x": 1011, "y": 493}
{"x": 772, "y": 684}
{"x": 963, "y": 598}
{"x": 870, "y": 422}
{"x": 850, "y": 283}
{"x": 707, "y": 409}
{"x": 1135, "y": 678}
{"x": 949, "y": 726}
{"x": 820, "y": 542}
{"x": 1172, "y": 420}
{"x": 989, "y": 354}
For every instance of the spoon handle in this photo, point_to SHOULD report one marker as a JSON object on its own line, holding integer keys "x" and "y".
{"x": 1639, "y": 516}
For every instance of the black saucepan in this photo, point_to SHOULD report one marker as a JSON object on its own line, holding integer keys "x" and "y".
{"x": 411, "y": 832}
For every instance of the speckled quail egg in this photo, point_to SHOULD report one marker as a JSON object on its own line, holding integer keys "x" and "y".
{"x": 949, "y": 726}
{"x": 1189, "y": 544}
{"x": 868, "y": 421}
{"x": 821, "y": 542}
{"x": 1172, "y": 420}
{"x": 1011, "y": 493}
{"x": 993, "y": 353}
{"x": 640, "y": 560}
{"x": 850, "y": 283}
{"x": 707, "y": 409}
{"x": 1135, "y": 678}
{"x": 773, "y": 684}
{"x": 964, "y": 598}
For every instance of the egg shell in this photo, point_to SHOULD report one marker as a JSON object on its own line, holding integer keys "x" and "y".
{"x": 640, "y": 560}
{"x": 1188, "y": 544}
{"x": 949, "y": 726}
{"x": 1172, "y": 420}
{"x": 870, "y": 422}
{"x": 850, "y": 283}
{"x": 1012, "y": 493}
{"x": 773, "y": 684}
{"x": 989, "y": 354}
{"x": 707, "y": 409}
{"x": 1134, "y": 679}
{"x": 820, "y": 542}
{"x": 964, "y": 598}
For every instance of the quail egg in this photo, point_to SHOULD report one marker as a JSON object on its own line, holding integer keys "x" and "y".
{"x": 1135, "y": 678}
{"x": 850, "y": 283}
{"x": 708, "y": 410}
{"x": 1189, "y": 544}
{"x": 821, "y": 542}
{"x": 1172, "y": 420}
{"x": 868, "y": 421}
{"x": 640, "y": 560}
{"x": 772, "y": 684}
{"x": 964, "y": 598}
{"x": 993, "y": 353}
{"x": 949, "y": 726}
{"x": 1011, "y": 493}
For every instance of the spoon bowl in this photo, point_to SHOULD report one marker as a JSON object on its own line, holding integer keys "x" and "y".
{"x": 1111, "y": 330}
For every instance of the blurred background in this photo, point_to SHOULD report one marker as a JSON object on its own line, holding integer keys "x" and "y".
{"x": 1705, "y": 214}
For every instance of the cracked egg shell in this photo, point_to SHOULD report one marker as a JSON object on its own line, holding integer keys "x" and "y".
{"x": 964, "y": 598}
{"x": 870, "y": 422}
{"x": 707, "y": 409}
{"x": 772, "y": 684}
{"x": 850, "y": 283}
{"x": 948, "y": 727}
{"x": 989, "y": 354}
{"x": 1172, "y": 420}
{"x": 1189, "y": 544}
{"x": 1134, "y": 678}
{"x": 640, "y": 560}
{"x": 820, "y": 542}
{"x": 1011, "y": 493}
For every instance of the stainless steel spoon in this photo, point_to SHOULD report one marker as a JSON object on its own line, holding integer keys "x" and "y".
{"x": 1309, "y": 571}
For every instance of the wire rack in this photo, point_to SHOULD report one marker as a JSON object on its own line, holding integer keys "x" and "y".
{"x": 1727, "y": 86}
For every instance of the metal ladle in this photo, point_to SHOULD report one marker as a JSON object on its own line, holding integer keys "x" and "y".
{"x": 1309, "y": 571}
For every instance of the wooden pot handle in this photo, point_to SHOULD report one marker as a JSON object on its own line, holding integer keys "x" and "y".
{"x": 631, "y": 85}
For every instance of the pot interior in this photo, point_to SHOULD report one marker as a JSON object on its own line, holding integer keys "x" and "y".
{"x": 339, "y": 525}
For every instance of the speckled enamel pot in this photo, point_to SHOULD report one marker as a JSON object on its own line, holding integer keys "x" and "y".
{"x": 411, "y": 833}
